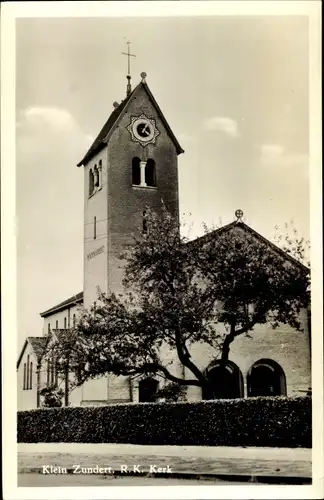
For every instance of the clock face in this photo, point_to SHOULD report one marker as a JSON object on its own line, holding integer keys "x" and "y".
{"x": 143, "y": 129}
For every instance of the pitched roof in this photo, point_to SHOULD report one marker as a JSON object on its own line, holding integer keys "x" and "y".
{"x": 75, "y": 299}
{"x": 61, "y": 333}
{"x": 254, "y": 233}
{"x": 108, "y": 127}
{"x": 38, "y": 345}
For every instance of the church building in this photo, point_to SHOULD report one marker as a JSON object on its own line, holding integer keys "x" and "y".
{"x": 133, "y": 164}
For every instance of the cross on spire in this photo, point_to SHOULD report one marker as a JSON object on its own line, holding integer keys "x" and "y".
{"x": 239, "y": 214}
{"x": 129, "y": 55}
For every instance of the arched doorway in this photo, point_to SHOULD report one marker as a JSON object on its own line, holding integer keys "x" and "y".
{"x": 226, "y": 381}
{"x": 147, "y": 389}
{"x": 266, "y": 378}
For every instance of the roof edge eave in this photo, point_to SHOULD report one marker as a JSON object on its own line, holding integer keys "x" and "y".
{"x": 72, "y": 301}
{"x": 123, "y": 106}
{"x": 252, "y": 231}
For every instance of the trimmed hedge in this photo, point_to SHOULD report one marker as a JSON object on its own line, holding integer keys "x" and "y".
{"x": 274, "y": 422}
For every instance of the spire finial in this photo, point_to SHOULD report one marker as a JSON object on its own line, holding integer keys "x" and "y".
{"x": 129, "y": 55}
{"x": 143, "y": 76}
{"x": 238, "y": 214}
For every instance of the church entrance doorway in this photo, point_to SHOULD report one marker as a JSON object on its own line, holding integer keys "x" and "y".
{"x": 147, "y": 389}
{"x": 266, "y": 378}
{"x": 226, "y": 381}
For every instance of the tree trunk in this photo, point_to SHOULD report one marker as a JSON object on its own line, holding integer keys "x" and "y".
{"x": 226, "y": 347}
{"x": 38, "y": 385}
{"x": 227, "y": 342}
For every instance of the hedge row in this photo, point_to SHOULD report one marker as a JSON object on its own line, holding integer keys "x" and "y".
{"x": 275, "y": 422}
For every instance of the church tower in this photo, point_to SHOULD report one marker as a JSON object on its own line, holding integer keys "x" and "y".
{"x": 131, "y": 165}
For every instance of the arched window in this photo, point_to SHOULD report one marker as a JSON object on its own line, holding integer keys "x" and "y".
{"x": 226, "y": 381}
{"x": 147, "y": 388}
{"x": 74, "y": 320}
{"x": 96, "y": 176}
{"x": 144, "y": 222}
{"x": 136, "y": 171}
{"x": 150, "y": 175}
{"x": 91, "y": 182}
{"x": 266, "y": 378}
{"x": 65, "y": 323}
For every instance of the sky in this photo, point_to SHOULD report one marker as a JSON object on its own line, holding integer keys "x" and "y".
{"x": 234, "y": 91}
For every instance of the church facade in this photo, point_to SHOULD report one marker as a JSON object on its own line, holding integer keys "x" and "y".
{"x": 131, "y": 165}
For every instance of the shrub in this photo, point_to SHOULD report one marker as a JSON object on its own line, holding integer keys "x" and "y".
{"x": 172, "y": 392}
{"x": 276, "y": 422}
{"x": 52, "y": 397}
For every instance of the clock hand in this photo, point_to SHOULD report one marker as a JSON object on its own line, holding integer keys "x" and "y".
{"x": 146, "y": 130}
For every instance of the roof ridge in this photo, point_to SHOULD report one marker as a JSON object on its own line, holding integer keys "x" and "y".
{"x": 99, "y": 142}
{"x": 74, "y": 298}
{"x": 254, "y": 233}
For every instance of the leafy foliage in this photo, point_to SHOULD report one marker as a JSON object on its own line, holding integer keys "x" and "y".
{"x": 179, "y": 293}
{"x": 277, "y": 422}
{"x": 52, "y": 397}
{"x": 171, "y": 392}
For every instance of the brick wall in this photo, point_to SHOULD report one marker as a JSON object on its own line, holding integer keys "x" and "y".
{"x": 95, "y": 249}
{"x": 126, "y": 203}
{"x": 284, "y": 345}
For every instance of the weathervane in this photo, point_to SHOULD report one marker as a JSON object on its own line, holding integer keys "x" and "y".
{"x": 238, "y": 214}
{"x": 129, "y": 55}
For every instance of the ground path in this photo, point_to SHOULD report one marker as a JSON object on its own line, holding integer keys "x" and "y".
{"x": 280, "y": 463}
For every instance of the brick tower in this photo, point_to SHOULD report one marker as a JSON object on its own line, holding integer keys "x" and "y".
{"x": 132, "y": 164}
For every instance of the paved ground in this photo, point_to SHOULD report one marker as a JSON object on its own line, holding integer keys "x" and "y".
{"x": 36, "y": 480}
{"x": 270, "y": 462}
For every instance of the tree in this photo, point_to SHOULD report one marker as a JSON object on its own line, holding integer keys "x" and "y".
{"x": 52, "y": 397}
{"x": 171, "y": 392}
{"x": 179, "y": 293}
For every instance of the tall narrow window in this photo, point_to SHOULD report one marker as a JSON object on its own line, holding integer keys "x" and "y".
{"x": 56, "y": 325}
{"x": 94, "y": 227}
{"x": 100, "y": 173}
{"x": 136, "y": 171}
{"x": 150, "y": 175}
{"x": 53, "y": 371}
{"x": 91, "y": 182}
{"x": 144, "y": 222}
{"x": 31, "y": 376}
{"x": 96, "y": 177}
{"x": 25, "y": 372}
{"x": 56, "y": 374}
{"x": 64, "y": 323}
{"x": 74, "y": 320}
{"x": 48, "y": 372}
{"x": 49, "y": 328}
